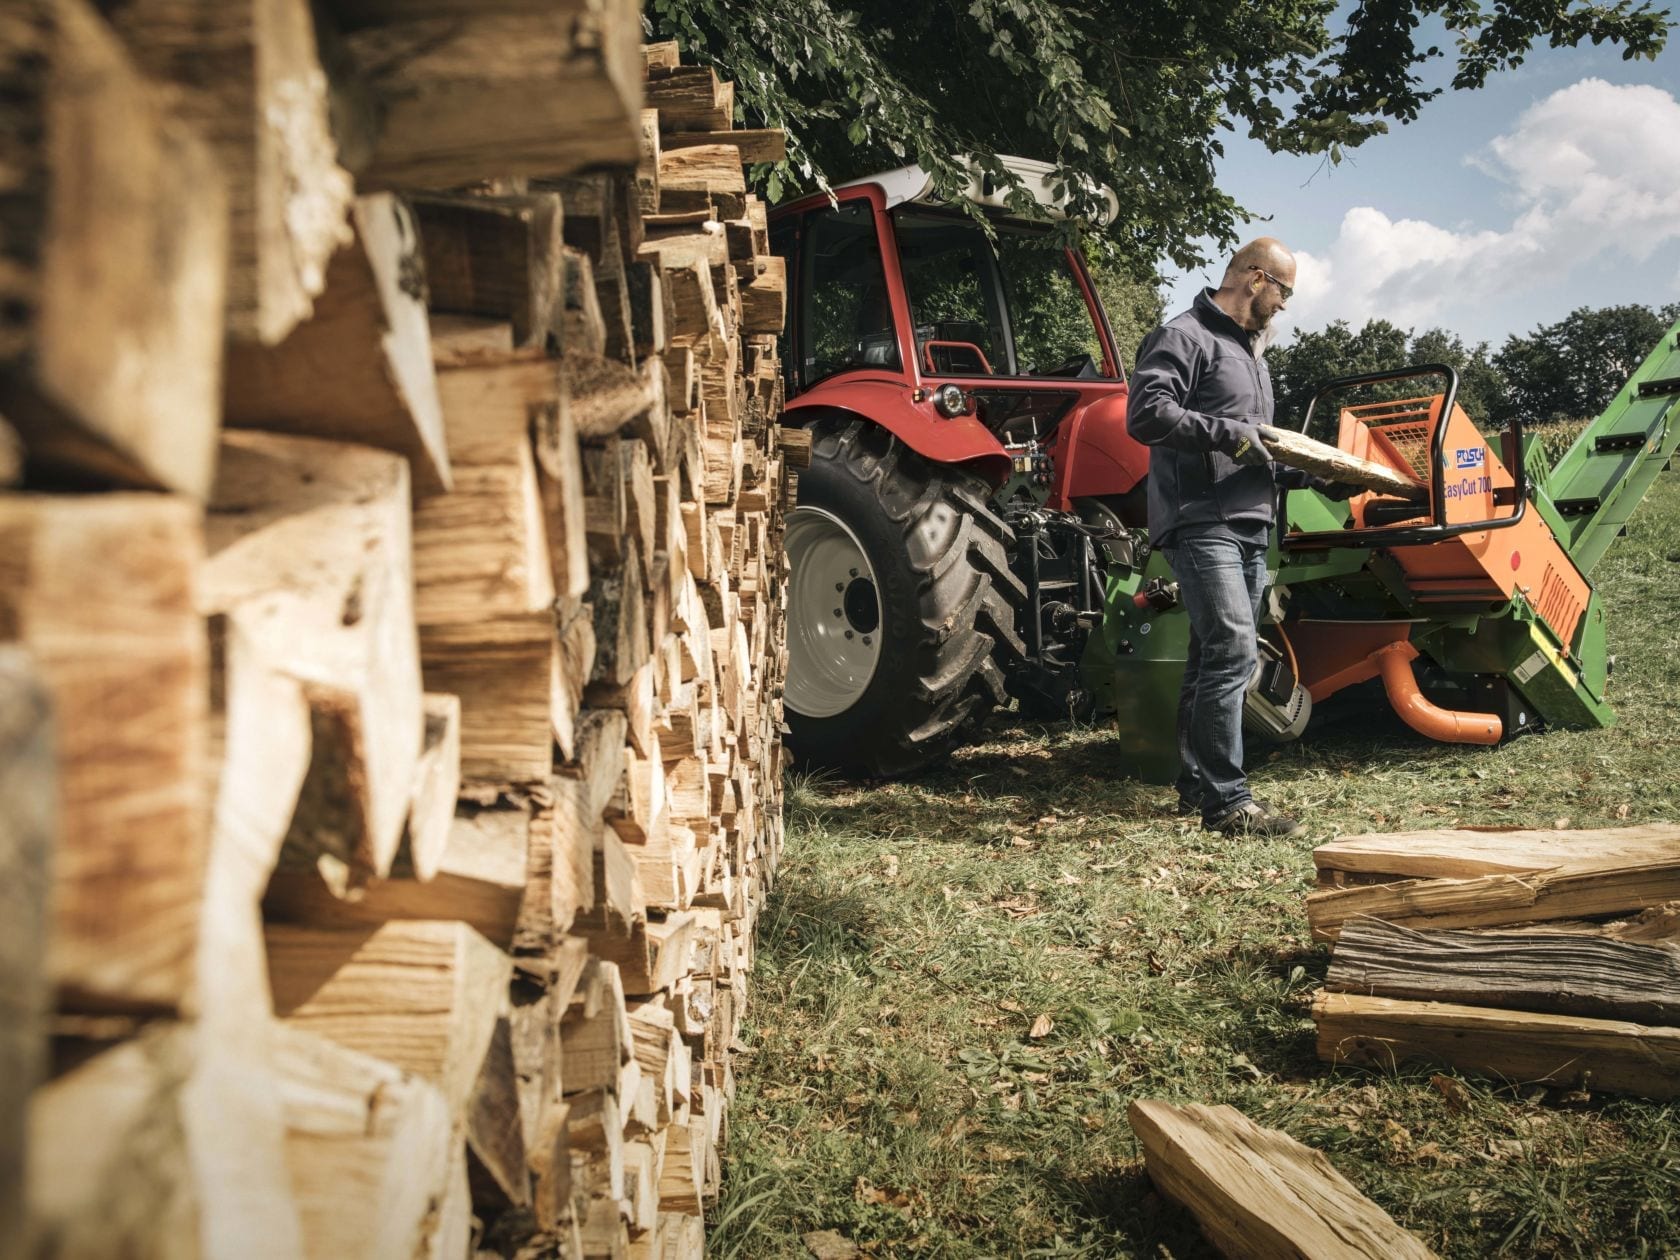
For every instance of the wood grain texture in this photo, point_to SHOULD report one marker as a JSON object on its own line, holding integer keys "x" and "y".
{"x": 1563, "y": 1050}
{"x": 1563, "y": 973}
{"x": 115, "y": 250}
{"x": 100, "y": 591}
{"x": 1462, "y": 853}
{"x": 1257, "y": 1193}
{"x": 1320, "y": 458}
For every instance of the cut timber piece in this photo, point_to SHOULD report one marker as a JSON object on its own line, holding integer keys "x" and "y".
{"x": 368, "y": 1148}
{"x": 310, "y": 556}
{"x": 423, "y": 995}
{"x": 1300, "y": 451}
{"x": 653, "y": 955}
{"x": 596, "y": 1038}
{"x": 481, "y": 551}
{"x": 707, "y": 168}
{"x": 1564, "y": 973}
{"x": 605, "y": 395}
{"x": 99, "y": 590}
{"x": 108, "y": 1168}
{"x": 360, "y": 368}
{"x": 251, "y": 81}
{"x": 495, "y": 1134}
{"x": 495, "y": 257}
{"x": 437, "y": 782}
{"x": 11, "y": 455}
{"x": 488, "y": 404}
{"x": 480, "y": 881}
{"x": 1521, "y": 1047}
{"x": 707, "y": 245}
{"x": 1462, "y": 854}
{"x": 764, "y": 300}
{"x": 647, "y": 163}
{"x": 795, "y": 445}
{"x": 691, "y": 98}
{"x": 1258, "y": 1193}
{"x": 467, "y": 94}
{"x": 29, "y": 788}
{"x": 503, "y": 670}
{"x": 661, "y": 57}
{"x": 752, "y": 144}
{"x": 560, "y": 481}
{"x": 1565, "y": 892}
{"x": 114, "y": 260}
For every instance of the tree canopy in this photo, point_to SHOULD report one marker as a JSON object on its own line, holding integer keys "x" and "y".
{"x": 1135, "y": 96}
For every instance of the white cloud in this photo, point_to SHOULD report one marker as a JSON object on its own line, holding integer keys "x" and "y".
{"x": 1593, "y": 170}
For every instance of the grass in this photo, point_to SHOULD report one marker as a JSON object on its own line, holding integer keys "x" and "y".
{"x": 963, "y": 979}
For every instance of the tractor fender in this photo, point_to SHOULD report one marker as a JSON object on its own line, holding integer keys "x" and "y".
{"x": 1095, "y": 455}
{"x": 961, "y": 440}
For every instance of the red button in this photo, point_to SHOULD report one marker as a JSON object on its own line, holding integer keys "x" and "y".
{"x": 1516, "y": 560}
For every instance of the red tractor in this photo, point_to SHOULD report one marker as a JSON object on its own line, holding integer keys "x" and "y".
{"x": 971, "y": 472}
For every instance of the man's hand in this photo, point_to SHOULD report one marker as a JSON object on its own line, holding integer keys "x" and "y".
{"x": 1247, "y": 449}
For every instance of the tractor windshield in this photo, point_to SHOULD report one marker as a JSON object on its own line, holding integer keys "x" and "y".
{"x": 1010, "y": 309}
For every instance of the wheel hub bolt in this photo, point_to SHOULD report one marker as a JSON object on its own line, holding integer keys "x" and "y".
{"x": 848, "y": 634}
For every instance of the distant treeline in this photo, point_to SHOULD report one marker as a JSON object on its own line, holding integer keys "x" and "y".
{"x": 1562, "y": 371}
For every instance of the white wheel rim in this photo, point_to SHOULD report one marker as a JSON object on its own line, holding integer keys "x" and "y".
{"x": 834, "y": 615}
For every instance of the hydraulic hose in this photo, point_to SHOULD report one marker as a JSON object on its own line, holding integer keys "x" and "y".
{"x": 1450, "y": 726}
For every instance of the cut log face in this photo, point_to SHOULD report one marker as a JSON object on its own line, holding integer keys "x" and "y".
{"x": 1259, "y": 1193}
{"x": 503, "y": 670}
{"x": 498, "y": 258}
{"x": 360, "y": 368}
{"x": 1518, "y": 1046}
{"x": 310, "y": 554}
{"x": 100, "y": 591}
{"x": 1562, "y": 973}
{"x": 368, "y": 1148}
{"x": 116, "y": 248}
{"x": 471, "y": 94}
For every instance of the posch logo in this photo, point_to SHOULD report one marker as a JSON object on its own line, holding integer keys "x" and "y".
{"x": 1470, "y": 457}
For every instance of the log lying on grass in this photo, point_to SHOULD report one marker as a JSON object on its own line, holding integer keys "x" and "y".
{"x": 1564, "y": 973}
{"x": 1259, "y": 1194}
{"x": 1462, "y": 853}
{"x": 1517, "y": 1046}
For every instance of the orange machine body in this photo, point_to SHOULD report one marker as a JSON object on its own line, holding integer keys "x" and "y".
{"x": 1482, "y": 567}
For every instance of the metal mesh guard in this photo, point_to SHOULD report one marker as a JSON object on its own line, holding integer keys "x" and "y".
{"x": 1406, "y": 443}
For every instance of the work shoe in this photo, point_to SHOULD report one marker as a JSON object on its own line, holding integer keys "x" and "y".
{"x": 1186, "y": 807}
{"x": 1252, "y": 819}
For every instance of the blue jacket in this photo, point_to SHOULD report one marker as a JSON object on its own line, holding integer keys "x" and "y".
{"x": 1197, "y": 383}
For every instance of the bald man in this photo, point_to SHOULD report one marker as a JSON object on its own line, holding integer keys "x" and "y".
{"x": 1198, "y": 396}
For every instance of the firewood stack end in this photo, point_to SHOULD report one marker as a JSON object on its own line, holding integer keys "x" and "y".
{"x": 391, "y": 629}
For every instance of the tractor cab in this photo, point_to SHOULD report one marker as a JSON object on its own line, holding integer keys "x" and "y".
{"x": 970, "y": 464}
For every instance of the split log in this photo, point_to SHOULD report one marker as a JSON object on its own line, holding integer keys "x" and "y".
{"x": 310, "y": 555}
{"x": 465, "y": 94}
{"x": 116, "y": 249}
{"x": 1563, "y": 973}
{"x": 1257, "y": 1193}
{"x": 1566, "y": 892}
{"x": 489, "y": 402}
{"x": 28, "y": 826}
{"x": 100, "y": 592}
{"x": 495, "y": 1133}
{"x": 764, "y": 299}
{"x": 495, "y": 257}
{"x": 108, "y": 1167}
{"x": 691, "y": 98}
{"x": 422, "y": 995}
{"x": 437, "y": 782}
{"x": 1462, "y": 853}
{"x": 1567, "y": 1051}
{"x": 1320, "y": 458}
{"x": 760, "y": 144}
{"x": 251, "y": 80}
{"x": 368, "y": 1147}
{"x": 707, "y": 168}
{"x": 504, "y": 672}
{"x": 360, "y": 368}
{"x": 560, "y": 482}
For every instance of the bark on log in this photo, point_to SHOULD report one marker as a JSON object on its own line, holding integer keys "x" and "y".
{"x": 1320, "y": 458}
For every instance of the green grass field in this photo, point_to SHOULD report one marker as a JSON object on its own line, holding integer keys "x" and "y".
{"x": 962, "y": 981}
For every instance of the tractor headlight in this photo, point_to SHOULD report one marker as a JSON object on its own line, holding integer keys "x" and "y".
{"x": 950, "y": 400}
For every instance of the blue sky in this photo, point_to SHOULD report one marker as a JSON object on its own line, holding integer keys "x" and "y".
{"x": 1554, "y": 187}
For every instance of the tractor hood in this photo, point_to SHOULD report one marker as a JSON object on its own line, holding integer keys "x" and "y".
{"x": 913, "y": 184}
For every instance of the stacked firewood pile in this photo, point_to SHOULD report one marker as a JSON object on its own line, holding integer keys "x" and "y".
{"x": 1547, "y": 957}
{"x": 390, "y": 627}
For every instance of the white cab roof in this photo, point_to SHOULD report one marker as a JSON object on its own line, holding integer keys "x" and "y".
{"x": 913, "y": 184}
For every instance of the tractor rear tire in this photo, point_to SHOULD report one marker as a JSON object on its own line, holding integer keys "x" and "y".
{"x": 900, "y": 604}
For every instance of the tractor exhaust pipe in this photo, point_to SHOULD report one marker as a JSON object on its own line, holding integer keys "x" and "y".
{"x": 1449, "y": 726}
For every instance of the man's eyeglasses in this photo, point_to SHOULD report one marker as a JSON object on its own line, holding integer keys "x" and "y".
{"x": 1283, "y": 288}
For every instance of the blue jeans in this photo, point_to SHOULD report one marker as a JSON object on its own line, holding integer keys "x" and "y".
{"x": 1221, "y": 576}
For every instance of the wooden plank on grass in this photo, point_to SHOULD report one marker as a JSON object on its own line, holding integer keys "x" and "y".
{"x": 1612, "y": 1055}
{"x": 1566, "y": 892}
{"x": 1462, "y": 853}
{"x": 1258, "y": 1193}
{"x": 1564, "y": 973}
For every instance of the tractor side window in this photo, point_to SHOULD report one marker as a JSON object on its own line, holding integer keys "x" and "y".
{"x": 1054, "y": 334}
{"x": 845, "y": 320}
{"x": 951, "y": 282}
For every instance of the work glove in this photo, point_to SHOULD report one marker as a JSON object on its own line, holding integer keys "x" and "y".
{"x": 1246, "y": 448}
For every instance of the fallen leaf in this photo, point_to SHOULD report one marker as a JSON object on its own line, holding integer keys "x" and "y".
{"x": 1562, "y": 824}
{"x": 827, "y": 1244}
{"x": 1010, "y": 1004}
{"x": 1042, "y": 1027}
{"x": 1621, "y": 811}
{"x": 889, "y": 866}
{"x": 1458, "y": 1098}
